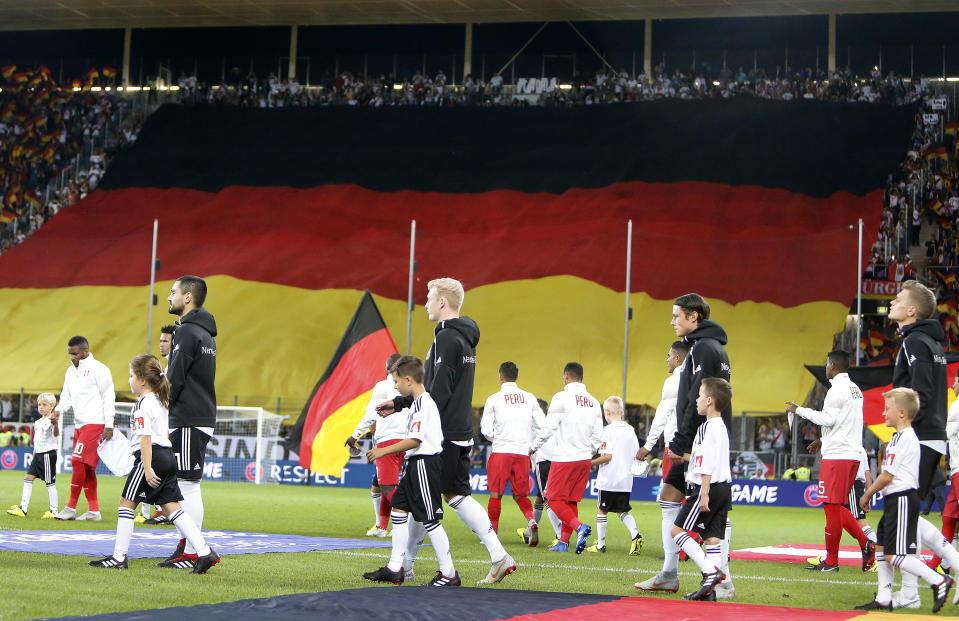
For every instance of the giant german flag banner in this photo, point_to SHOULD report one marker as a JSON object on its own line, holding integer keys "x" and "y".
{"x": 340, "y": 396}
{"x": 291, "y": 213}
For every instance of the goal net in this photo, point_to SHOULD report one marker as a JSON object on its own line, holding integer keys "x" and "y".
{"x": 244, "y": 446}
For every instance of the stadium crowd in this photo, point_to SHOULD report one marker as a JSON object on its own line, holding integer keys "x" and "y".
{"x": 603, "y": 86}
{"x": 55, "y": 144}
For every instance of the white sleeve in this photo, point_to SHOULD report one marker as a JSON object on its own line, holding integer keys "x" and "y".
{"x": 831, "y": 409}
{"x": 658, "y": 426}
{"x": 596, "y": 437}
{"x": 365, "y": 423}
{"x": 108, "y": 397}
{"x": 489, "y": 414}
{"x": 539, "y": 419}
{"x": 65, "y": 400}
{"x": 952, "y": 423}
{"x": 556, "y": 413}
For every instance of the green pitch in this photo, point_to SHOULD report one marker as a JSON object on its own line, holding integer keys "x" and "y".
{"x": 53, "y": 585}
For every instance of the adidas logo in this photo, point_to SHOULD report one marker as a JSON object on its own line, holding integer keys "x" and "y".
{"x": 196, "y": 466}
{"x": 701, "y": 525}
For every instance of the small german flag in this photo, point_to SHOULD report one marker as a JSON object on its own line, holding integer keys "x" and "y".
{"x": 7, "y": 215}
{"x": 339, "y": 399}
{"x": 8, "y": 71}
{"x": 109, "y": 72}
{"x": 92, "y": 74}
{"x": 934, "y": 204}
{"x": 937, "y": 153}
{"x": 952, "y": 128}
{"x": 20, "y": 77}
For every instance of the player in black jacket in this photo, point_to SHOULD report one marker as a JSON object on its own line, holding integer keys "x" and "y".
{"x": 191, "y": 372}
{"x": 921, "y": 365}
{"x": 706, "y": 358}
{"x": 450, "y": 367}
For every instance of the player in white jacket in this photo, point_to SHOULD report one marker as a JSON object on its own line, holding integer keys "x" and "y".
{"x": 575, "y": 420}
{"x": 511, "y": 419}
{"x": 950, "y": 513}
{"x": 386, "y": 431}
{"x": 88, "y": 389}
{"x": 841, "y": 424}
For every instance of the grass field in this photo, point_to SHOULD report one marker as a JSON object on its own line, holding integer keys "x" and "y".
{"x": 347, "y": 513}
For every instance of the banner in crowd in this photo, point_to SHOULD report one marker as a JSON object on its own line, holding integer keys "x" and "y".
{"x": 292, "y": 213}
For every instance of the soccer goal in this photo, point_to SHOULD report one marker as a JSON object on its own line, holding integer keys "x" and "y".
{"x": 243, "y": 447}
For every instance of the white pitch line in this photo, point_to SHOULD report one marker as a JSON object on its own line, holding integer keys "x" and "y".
{"x": 623, "y": 569}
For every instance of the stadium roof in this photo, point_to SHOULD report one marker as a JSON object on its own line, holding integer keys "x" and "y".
{"x": 77, "y": 14}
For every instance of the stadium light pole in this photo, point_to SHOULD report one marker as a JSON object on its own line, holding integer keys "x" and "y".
{"x": 153, "y": 272}
{"x": 859, "y": 298}
{"x": 629, "y": 268}
{"x": 409, "y": 291}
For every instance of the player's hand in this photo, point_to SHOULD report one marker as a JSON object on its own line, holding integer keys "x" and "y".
{"x": 674, "y": 459}
{"x": 108, "y": 433}
{"x": 704, "y": 503}
{"x": 864, "y": 502}
{"x": 642, "y": 454}
{"x": 532, "y": 452}
{"x": 151, "y": 477}
{"x": 55, "y": 416}
{"x": 791, "y": 407}
{"x": 351, "y": 442}
{"x": 385, "y": 408}
{"x": 814, "y": 446}
{"x": 372, "y": 455}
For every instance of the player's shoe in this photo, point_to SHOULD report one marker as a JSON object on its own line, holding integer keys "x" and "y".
{"x": 522, "y": 535}
{"x": 707, "y": 586}
{"x": 533, "y": 534}
{"x": 110, "y": 563}
{"x": 180, "y": 547}
{"x": 439, "y": 580}
{"x": 184, "y": 561}
{"x": 559, "y": 546}
{"x": 17, "y": 511}
{"x": 824, "y": 567}
{"x": 940, "y": 592}
{"x": 384, "y": 574}
{"x": 725, "y": 590}
{"x": 139, "y": 519}
{"x": 202, "y": 564}
{"x": 156, "y": 518}
{"x": 376, "y": 531}
{"x": 636, "y": 547}
{"x": 497, "y": 571}
{"x": 582, "y": 537}
{"x": 49, "y": 515}
{"x": 868, "y": 556}
{"x": 662, "y": 581}
{"x": 874, "y": 605}
{"x": 91, "y": 516}
{"x": 67, "y": 514}
{"x": 596, "y": 548}
{"x": 898, "y": 601}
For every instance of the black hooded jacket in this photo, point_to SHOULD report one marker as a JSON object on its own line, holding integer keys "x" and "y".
{"x": 921, "y": 365}
{"x": 706, "y": 358}
{"x": 450, "y": 367}
{"x": 192, "y": 371}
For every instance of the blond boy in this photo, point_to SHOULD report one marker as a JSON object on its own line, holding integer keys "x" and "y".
{"x": 46, "y": 437}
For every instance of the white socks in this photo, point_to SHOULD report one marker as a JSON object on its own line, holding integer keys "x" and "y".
{"x": 670, "y": 548}
{"x": 688, "y": 545}
{"x": 600, "y": 530}
{"x": 886, "y": 576}
{"x": 377, "y": 497}
{"x": 870, "y": 533}
{"x": 54, "y": 499}
{"x": 555, "y": 521}
{"x": 724, "y": 544}
{"x": 193, "y": 505}
{"x": 415, "y": 538}
{"x": 930, "y": 536}
{"x": 401, "y": 537}
{"x": 194, "y": 538}
{"x": 630, "y": 523}
{"x": 913, "y": 565}
{"x": 124, "y": 533}
{"x": 25, "y": 496}
{"x": 441, "y": 545}
{"x": 474, "y": 515}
